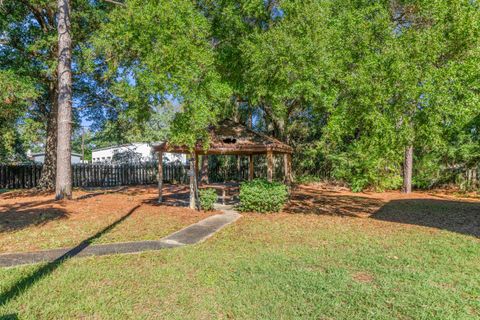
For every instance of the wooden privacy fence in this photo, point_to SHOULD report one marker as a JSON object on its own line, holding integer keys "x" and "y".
{"x": 21, "y": 176}
{"x": 24, "y": 176}
{"x": 105, "y": 175}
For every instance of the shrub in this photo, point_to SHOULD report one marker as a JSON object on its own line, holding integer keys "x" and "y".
{"x": 208, "y": 197}
{"x": 262, "y": 196}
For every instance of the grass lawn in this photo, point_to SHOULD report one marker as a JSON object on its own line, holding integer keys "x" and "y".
{"x": 33, "y": 222}
{"x": 366, "y": 259}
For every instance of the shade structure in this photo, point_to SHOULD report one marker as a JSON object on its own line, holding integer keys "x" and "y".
{"x": 231, "y": 138}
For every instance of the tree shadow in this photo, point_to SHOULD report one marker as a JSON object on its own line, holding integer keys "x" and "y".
{"x": 22, "y": 215}
{"x": 172, "y": 195}
{"x": 26, "y": 193}
{"x": 456, "y": 216}
{"x": 25, "y": 283}
{"x": 332, "y": 205}
{"x": 453, "y": 215}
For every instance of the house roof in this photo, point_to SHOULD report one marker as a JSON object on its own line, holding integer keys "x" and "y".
{"x": 133, "y": 144}
{"x": 36, "y": 154}
{"x": 229, "y": 137}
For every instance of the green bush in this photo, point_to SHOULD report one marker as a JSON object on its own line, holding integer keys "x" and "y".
{"x": 262, "y": 196}
{"x": 208, "y": 197}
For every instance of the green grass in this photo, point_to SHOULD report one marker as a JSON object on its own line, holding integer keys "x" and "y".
{"x": 267, "y": 267}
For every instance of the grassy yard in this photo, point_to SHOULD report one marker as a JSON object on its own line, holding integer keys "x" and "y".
{"x": 32, "y": 222}
{"x": 349, "y": 257}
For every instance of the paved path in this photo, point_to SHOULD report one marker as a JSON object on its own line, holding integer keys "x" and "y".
{"x": 192, "y": 234}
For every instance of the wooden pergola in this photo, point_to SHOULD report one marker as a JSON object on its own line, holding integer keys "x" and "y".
{"x": 229, "y": 138}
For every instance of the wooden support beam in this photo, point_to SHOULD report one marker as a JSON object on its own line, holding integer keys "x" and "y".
{"x": 204, "y": 171}
{"x": 287, "y": 162}
{"x": 191, "y": 174}
{"x": 270, "y": 166}
{"x": 239, "y": 168}
{"x": 250, "y": 167}
{"x": 160, "y": 177}
{"x": 197, "y": 169}
{"x": 290, "y": 172}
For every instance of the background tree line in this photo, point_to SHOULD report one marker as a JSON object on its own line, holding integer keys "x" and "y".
{"x": 380, "y": 94}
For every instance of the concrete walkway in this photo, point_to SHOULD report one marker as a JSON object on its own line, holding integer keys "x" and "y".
{"x": 192, "y": 234}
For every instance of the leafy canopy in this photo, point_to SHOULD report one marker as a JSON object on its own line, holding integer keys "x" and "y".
{"x": 159, "y": 51}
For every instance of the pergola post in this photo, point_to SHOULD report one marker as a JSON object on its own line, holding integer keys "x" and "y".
{"x": 250, "y": 167}
{"x": 191, "y": 174}
{"x": 204, "y": 171}
{"x": 160, "y": 176}
{"x": 196, "y": 167}
{"x": 239, "y": 167}
{"x": 287, "y": 163}
{"x": 270, "y": 166}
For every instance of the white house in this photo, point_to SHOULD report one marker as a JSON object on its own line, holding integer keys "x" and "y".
{"x": 39, "y": 157}
{"x": 132, "y": 152}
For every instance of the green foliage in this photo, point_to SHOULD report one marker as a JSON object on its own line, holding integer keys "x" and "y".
{"x": 15, "y": 94}
{"x": 348, "y": 83}
{"x": 262, "y": 196}
{"x": 391, "y": 74}
{"x": 208, "y": 197}
{"x": 158, "y": 51}
{"x": 28, "y": 62}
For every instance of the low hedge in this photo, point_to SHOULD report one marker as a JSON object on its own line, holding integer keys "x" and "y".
{"x": 208, "y": 197}
{"x": 262, "y": 196}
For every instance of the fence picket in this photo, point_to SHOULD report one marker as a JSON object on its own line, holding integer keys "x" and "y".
{"x": 108, "y": 175}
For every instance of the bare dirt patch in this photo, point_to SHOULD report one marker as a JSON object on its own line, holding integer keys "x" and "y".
{"x": 363, "y": 277}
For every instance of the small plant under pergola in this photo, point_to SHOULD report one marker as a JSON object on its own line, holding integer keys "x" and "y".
{"x": 229, "y": 138}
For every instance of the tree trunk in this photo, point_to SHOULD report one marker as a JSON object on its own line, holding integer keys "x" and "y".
{"x": 49, "y": 169}
{"x": 407, "y": 169}
{"x": 63, "y": 186}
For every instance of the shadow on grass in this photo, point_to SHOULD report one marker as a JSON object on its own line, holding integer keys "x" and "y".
{"x": 16, "y": 219}
{"x": 17, "y": 216}
{"x": 332, "y": 205}
{"x": 453, "y": 215}
{"x": 456, "y": 216}
{"x": 23, "y": 284}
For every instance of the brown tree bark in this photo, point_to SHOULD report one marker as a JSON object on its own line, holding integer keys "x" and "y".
{"x": 45, "y": 17}
{"x": 63, "y": 185}
{"x": 408, "y": 169}
{"x": 47, "y": 179}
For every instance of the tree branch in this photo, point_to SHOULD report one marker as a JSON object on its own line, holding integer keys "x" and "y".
{"x": 115, "y": 2}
